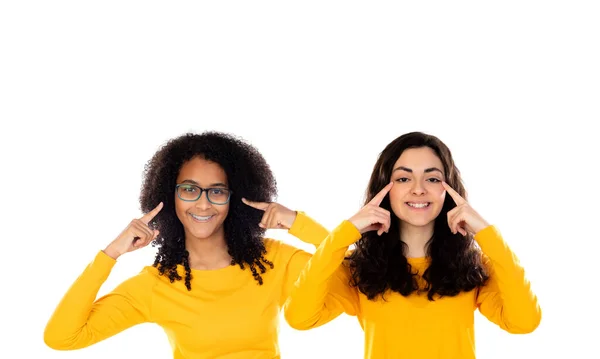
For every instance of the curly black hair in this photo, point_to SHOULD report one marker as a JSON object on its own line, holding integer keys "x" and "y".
{"x": 378, "y": 264}
{"x": 248, "y": 175}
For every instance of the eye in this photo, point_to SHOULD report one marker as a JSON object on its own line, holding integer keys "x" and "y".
{"x": 217, "y": 191}
{"x": 402, "y": 179}
{"x": 434, "y": 180}
{"x": 189, "y": 189}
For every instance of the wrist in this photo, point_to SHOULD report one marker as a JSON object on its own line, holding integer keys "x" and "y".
{"x": 112, "y": 252}
{"x": 483, "y": 225}
{"x": 355, "y": 225}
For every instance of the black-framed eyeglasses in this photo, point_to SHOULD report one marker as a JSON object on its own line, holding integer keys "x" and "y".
{"x": 190, "y": 193}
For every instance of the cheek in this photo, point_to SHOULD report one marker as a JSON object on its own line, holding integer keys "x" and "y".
{"x": 397, "y": 194}
{"x": 180, "y": 209}
{"x": 221, "y": 211}
{"x": 438, "y": 193}
{"x": 224, "y": 210}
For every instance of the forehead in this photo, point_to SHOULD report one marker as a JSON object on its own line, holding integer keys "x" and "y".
{"x": 419, "y": 159}
{"x": 202, "y": 171}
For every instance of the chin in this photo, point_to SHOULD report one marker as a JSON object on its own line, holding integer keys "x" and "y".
{"x": 417, "y": 222}
{"x": 203, "y": 234}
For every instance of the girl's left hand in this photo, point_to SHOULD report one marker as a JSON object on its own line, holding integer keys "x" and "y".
{"x": 276, "y": 216}
{"x": 463, "y": 218}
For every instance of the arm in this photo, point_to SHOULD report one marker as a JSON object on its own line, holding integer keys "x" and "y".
{"x": 322, "y": 291}
{"x": 79, "y": 321}
{"x": 298, "y": 224}
{"x": 507, "y": 299}
{"x": 308, "y": 230}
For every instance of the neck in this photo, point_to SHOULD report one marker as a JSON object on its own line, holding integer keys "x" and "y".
{"x": 208, "y": 253}
{"x": 416, "y": 238}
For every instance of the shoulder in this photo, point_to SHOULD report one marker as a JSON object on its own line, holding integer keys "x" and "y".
{"x": 487, "y": 266}
{"x": 279, "y": 251}
{"x": 139, "y": 288}
{"x": 146, "y": 278}
{"x": 346, "y": 264}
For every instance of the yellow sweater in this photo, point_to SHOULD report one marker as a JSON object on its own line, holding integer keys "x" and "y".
{"x": 413, "y": 327}
{"x": 225, "y": 314}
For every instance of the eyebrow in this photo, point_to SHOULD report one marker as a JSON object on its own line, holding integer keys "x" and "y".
{"x": 216, "y": 184}
{"x": 427, "y": 170}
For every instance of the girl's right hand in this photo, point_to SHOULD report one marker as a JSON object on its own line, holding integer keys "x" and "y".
{"x": 135, "y": 236}
{"x": 372, "y": 217}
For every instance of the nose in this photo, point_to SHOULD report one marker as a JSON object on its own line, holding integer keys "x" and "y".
{"x": 418, "y": 188}
{"x": 202, "y": 203}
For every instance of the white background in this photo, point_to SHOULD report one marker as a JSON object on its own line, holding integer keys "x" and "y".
{"x": 89, "y": 90}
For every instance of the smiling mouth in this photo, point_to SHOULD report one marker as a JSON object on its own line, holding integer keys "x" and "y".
{"x": 418, "y": 205}
{"x": 201, "y": 218}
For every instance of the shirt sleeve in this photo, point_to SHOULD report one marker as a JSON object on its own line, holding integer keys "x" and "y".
{"x": 308, "y": 230}
{"x": 507, "y": 299}
{"x": 80, "y": 321}
{"x": 322, "y": 291}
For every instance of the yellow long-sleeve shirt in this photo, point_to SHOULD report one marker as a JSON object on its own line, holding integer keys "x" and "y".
{"x": 226, "y": 314}
{"x": 413, "y": 327}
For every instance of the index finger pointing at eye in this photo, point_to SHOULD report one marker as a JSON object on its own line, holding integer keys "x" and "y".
{"x": 150, "y": 215}
{"x": 381, "y": 195}
{"x": 258, "y": 205}
{"x": 455, "y": 196}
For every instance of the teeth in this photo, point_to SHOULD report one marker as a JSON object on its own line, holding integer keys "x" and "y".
{"x": 418, "y": 205}
{"x": 201, "y": 218}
